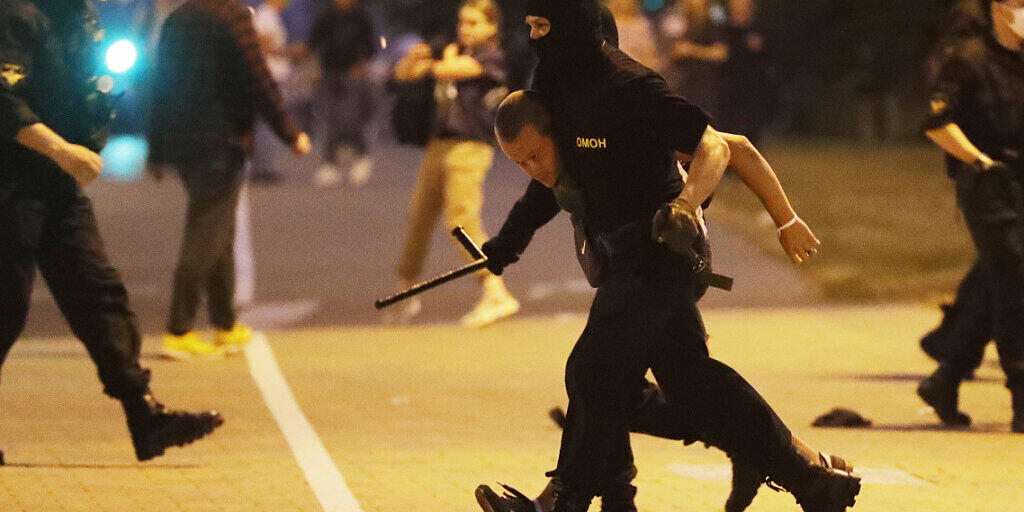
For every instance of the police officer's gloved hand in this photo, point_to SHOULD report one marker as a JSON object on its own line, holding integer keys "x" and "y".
{"x": 499, "y": 255}
{"x": 676, "y": 225}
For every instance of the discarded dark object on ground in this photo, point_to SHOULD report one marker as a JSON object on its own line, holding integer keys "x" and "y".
{"x": 840, "y": 417}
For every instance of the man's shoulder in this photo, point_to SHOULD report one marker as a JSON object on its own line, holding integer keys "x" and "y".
{"x": 624, "y": 71}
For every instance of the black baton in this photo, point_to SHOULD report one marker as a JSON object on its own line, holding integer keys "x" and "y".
{"x": 471, "y": 248}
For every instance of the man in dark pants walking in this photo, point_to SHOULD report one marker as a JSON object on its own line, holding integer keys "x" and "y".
{"x": 53, "y": 120}
{"x": 618, "y": 129}
{"x": 976, "y": 105}
{"x": 210, "y": 82}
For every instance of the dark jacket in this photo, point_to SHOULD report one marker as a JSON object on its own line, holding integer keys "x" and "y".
{"x": 210, "y": 82}
{"x": 343, "y": 38}
{"x": 48, "y": 69}
{"x": 465, "y": 110}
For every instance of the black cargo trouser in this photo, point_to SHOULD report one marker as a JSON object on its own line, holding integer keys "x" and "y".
{"x": 59, "y": 235}
{"x": 213, "y": 179}
{"x": 645, "y": 316}
{"x": 967, "y": 325}
{"x": 993, "y": 208}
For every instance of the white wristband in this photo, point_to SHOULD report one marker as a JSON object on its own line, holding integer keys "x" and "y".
{"x": 791, "y": 223}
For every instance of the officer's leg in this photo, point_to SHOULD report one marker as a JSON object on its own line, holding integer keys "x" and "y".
{"x": 92, "y": 296}
{"x": 212, "y": 186}
{"x": 997, "y": 227}
{"x": 725, "y": 411}
{"x": 21, "y": 226}
{"x": 601, "y": 380}
{"x": 966, "y": 326}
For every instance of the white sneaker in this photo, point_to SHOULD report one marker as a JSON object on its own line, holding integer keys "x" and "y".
{"x": 491, "y": 309}
{"x": 360, "y": 172}
{"x": 327, "y": 176}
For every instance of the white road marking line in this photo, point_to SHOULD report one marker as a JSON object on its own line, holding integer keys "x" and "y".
{"x": 314, "y": 460}
{"x": 869, "y": 476}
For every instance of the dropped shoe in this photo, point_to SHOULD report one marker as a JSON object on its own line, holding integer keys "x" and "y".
{"x": 235, "y": 340}
{"x": 490, "y": 309}
{"x": 155, "y": 428}
{"x": 188, "y": 347}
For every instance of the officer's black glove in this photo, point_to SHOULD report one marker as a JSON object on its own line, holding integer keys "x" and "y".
{"x": 499, "y": 255}
{"x": 677, "y": 226}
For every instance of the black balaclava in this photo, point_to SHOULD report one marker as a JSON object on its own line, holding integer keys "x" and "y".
{"x": 575, "y": 35}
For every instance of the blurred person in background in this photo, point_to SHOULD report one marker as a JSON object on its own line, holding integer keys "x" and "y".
{"x": 54, "y": 119}
{"x": 344, "y": 40}
{"x": 636, "y": 35}
{"x": 469, "y": 83}
{"x": 697, "y": 54}
{"x": 273, "y": 41}
{"x": 976, "y": 117}
{"x": 745, "y": 85}
{"x": 213, "y": 84}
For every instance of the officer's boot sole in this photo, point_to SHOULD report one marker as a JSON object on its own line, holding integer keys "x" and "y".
{"x": 513, "y": 501}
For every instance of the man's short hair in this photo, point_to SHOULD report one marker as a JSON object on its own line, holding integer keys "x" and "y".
{"x": 521, "y": 109}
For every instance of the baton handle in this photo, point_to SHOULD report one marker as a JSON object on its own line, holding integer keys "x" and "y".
{"x": 467, "y": 242}
{"x": 426, "y": 285}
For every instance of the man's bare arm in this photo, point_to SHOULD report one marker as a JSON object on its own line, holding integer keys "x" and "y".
{"x": 757, "y": 174}
{"x": 78, "y": 161}
{"x": 706, "y": 168}
{"x": 953, "y": 141}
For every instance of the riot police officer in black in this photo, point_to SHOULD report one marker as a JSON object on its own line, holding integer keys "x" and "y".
{"x": 977, "y": 118}
{"x": 618, "y": 129}
{"x": 54, "y": 117}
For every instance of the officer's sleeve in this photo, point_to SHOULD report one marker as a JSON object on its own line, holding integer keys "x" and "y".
{"x": 950, "y": 88}
{"x": 536, "y": 208}
{"x": 661, "y": 115}
{"x": 268, "y": 95}
{"x": 17, "y": 33}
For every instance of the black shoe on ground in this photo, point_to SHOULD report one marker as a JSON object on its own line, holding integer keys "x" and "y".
{"x": 155, "y": 428}
{"x": 1017, "y": 426}
{"x": 941, "y": 392}
{"x": 2, "y": 458}
{"x": 831, "y": 491}
{"x": 511, "y": 501}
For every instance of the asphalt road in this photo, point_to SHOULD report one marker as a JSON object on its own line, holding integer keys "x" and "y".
{"x": 324, "y": 254}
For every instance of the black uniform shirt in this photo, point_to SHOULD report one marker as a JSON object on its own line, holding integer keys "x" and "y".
{"x": 48, "y": 75}
{"x": 980, "y": 88}
{"x": 617, "y": 125}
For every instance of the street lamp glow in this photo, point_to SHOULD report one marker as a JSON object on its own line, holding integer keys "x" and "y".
{"x": 121, "y": 56}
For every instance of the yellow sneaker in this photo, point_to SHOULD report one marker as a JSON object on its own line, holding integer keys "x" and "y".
{"x": 188, "y": 347}
{"x": 235, "y": 340}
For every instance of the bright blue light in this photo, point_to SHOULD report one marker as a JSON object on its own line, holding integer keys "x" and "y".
{"x": 124, "y": 158}
{"x": 121, "y": 56}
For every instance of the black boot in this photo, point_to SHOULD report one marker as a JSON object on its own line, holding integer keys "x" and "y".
{"x": 155, "y": 428}
{"x": 817, "y": 488}
{"x": 941, "y": 391}
{"x": 568, "y": 500}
